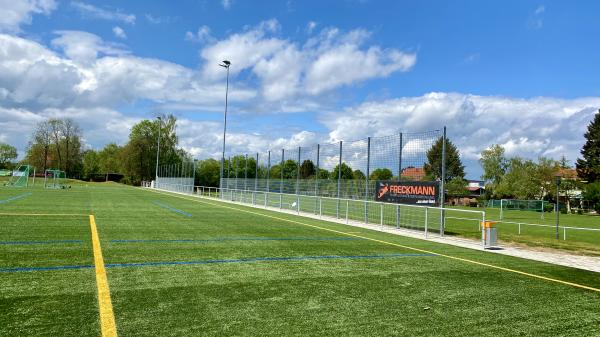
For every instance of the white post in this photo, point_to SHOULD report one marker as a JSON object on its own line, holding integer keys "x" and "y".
{"x": 298, "y": 205}
{"x": 347, "y": 204}
{"x": 381, "y": 214}
{"x": 398, "y": 214}
{"x": 266, "y": 196}
{"x": 501, "y": 209}
{"x": 519, "y": 228}
{"x": 426, "y": 215}
{"x": 564, "y": 233}
{"x": 441, "y": 222}
{"x": 320, "y": 208}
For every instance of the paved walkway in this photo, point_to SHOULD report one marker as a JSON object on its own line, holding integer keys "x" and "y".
{"x": 563, "y": 259}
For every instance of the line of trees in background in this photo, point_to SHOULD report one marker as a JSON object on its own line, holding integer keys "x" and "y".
{"x": 520, "y": 178}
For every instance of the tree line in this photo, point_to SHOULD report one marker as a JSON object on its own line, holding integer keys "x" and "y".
{"x": 520, "y": 178}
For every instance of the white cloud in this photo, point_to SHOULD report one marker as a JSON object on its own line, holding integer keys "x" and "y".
{"x": 84, "y": 47}
{"x": 18, "y": 12}
{"x": 226, "y": 4}
{"x": 202, "y": 36}
{"x": 541, "y": 126}
{"x": 536, "y": 20}
{"x": 288, "y": 70}
{"x": 103, "y": 14}
{"x": 119, "y": 32}
{"x": 310, "y": 27}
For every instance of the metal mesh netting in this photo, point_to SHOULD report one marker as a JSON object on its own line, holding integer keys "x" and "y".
{"x": 176, "y": 177}
{"x": 318, "y": 171}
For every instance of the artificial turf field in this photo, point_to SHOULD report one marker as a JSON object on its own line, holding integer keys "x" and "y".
{"x": 184, "y": 266}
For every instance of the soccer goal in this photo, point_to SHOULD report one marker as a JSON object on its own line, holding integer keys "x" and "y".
{"x": 518, "y": 205}
{"x": 20, "y": 176}
{"x": 54, "y": 179}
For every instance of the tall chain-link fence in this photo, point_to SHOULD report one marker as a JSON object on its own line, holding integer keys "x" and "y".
{"x": 347, "y": 170}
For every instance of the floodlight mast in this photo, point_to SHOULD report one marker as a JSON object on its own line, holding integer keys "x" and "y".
{"x": 225, "y": 64}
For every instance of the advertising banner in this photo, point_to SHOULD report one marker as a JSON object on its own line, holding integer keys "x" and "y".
{"x": 425, "y": 193}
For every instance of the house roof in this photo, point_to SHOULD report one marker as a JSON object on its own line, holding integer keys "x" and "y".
{"x": 568, "y": 173}
{"x": 413, "y": 173}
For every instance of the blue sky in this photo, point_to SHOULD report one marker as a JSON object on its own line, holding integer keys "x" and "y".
{"x": 522, "y": 74}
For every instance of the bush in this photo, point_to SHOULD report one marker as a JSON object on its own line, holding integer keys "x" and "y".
{"x": 592, "y": 194}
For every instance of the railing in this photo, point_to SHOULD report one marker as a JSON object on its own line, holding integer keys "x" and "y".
{"x": 561, "y": 228}
{"x": 426, "y": 219}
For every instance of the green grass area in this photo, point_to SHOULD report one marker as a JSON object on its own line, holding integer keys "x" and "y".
{"x": 183, "y": 266}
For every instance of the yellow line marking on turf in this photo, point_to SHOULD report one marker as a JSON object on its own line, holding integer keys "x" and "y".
{"x": 394, "y": 244}
{"x": 107, "y": 317}
{"x": 44, "y": 214}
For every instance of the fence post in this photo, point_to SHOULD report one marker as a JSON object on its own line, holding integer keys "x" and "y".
{"x": 426, "y": 216}
{"x": 400, "y": 159}
{"x": 347, "y": 206}
{"x": 519, "y": 228}
{"x": 298, "y": 180}
{"x": 281, "y": 181}
{"x": 320, "y": 208}
{"x": 268, "y": 170}
{"x": 246, "y": 174}
{"x": 443, "y": 182}
{"x": 441, "y": 222}
{"x": 339, "y": 182}
{"x": 564, "y": 233}
{"x": 317, "y": 194}
{"x": 367, "y": 179}
{"x": 381, "y": 214}
{"x": 397, "y": 216}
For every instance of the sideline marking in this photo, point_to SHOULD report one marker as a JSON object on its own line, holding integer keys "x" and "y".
{"x": 44, "y": 214}
{"x": 218, "y": 204}
{"x": 15, "y": 198}
{"x": 172, "y": 209}
{"x": 107, "y": 317}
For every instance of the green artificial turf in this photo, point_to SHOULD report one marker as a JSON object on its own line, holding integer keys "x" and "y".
{"x": 255, "y": 272}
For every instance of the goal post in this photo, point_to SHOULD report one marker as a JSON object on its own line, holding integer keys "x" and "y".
{"x": 54, "y": 179}
{"x": 20, "y": 176}
{"x": 505, "y": 205}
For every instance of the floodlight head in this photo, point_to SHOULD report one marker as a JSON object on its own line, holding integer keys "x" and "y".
{"x": 225, "y": 64}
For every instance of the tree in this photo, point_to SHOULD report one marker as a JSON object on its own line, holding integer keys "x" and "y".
{"x": 494, "y": 165}
{"x": 208, "y": 172}
{"x": 38, "y": 151}
{"x": 592, "y": 194}
{"x": 454, "y": 167}
{"x": 8, "y": 153}
{"x": 588, "y": 167}
{"x": 358, "y": 175}
{"x": 346, "y": 172}
{"x": 381, "y": 174}
{"x": 91, "y": 164}
{"x": 457, "y": 187}
{"x": 138, "y": 156}
{"x": 307, "y": 169}
{"x": 323, "y": 174}
{"x": 109, "y": 158}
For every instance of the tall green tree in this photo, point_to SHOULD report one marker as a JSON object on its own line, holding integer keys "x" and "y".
{"x": 109, "y": 158}
{"x": 381, "y": 174}
{"x": 454, "y": 166}
{"x": 588, "y": 167}
{"x": 8, "y": 153}
{"x": 208, "y": 172}
{"x": 91, "y": 164}
{"x": 457, "y": 187}
{"x": 358, "y": 175}
{"x": 138, "y": 156}
{"x": 494, "y": 164}
{"x": 346, "y": 172}
{"x": 307, "y": 169}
